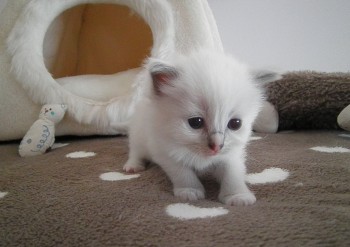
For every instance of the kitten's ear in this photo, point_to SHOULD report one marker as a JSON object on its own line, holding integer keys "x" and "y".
{"x": 162, "y": 75}
{"x": 265, "y": 76}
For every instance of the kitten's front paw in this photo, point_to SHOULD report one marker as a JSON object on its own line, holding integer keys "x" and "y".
{"x": 133, "y": 168}
{"x": 189, "y": 194}
{"x": 242, "y": 199}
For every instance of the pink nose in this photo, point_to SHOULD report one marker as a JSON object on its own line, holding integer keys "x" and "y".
{"x": 216, "y": 148}
{"x": 216, "y": 141}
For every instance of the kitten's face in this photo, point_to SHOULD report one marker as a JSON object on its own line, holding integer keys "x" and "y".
{"x": 206, "y": 104}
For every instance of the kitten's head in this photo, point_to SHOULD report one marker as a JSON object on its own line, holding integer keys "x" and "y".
{"x": 205, "y": 102}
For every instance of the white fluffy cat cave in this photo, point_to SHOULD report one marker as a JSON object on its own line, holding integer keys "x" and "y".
{"x": 86, "y": 54}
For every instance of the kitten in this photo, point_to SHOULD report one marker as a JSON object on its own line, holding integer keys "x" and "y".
{"x": 196, "y": 116}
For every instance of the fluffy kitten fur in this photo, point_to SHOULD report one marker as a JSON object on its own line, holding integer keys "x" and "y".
{"x": 196, "y": 116}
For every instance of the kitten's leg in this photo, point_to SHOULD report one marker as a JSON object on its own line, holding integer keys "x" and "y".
{"x": 233, "y": 189}
{"x": 185, "y": 181}
{"x": 134, "y": 165}
{"x": 135, "y": 162}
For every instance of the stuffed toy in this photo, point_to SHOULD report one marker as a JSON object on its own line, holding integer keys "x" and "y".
{"x": 306, "y": 100}
{"x": 344, "y": 118}
{"x": 41, "y": 135}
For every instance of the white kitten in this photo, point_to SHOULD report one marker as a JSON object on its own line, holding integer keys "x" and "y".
{"x": 196, "y": 116}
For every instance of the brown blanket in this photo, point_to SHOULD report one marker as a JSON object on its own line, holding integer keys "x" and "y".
{"x": 55, "y": 200}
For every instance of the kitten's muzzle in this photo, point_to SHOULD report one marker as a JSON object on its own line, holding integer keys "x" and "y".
{"x": 216, "y": 141}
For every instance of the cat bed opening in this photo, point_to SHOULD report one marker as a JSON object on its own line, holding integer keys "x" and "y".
{"x": 105, "y": 42}
{"x": 96, "y": 39}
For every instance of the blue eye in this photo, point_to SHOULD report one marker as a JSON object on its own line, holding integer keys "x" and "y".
{"x": 196, "y": 122}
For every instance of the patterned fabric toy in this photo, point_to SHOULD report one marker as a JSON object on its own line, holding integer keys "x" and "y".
{"x": 41, "y": 135}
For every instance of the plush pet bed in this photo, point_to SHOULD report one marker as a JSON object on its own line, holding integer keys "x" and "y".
{"x": 75, "y": 195}
{"x": 42, "y": 40}
{"x": 310, "y": 100}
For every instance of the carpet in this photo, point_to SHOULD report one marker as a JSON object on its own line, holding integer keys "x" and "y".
{"x": 77, "y": 195}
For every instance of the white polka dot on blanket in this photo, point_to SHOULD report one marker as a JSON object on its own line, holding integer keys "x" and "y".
{"x": 254, "y": 138}
{"x": 3, "y": 194}
{"x": 185, "y": 211}
{"x": 59, "y": 145}
{"x": 116, "y": 176}
{"x": 270, "y": 175}
{"x": 331, "y": 149}
{"x": 80, "y": 154}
